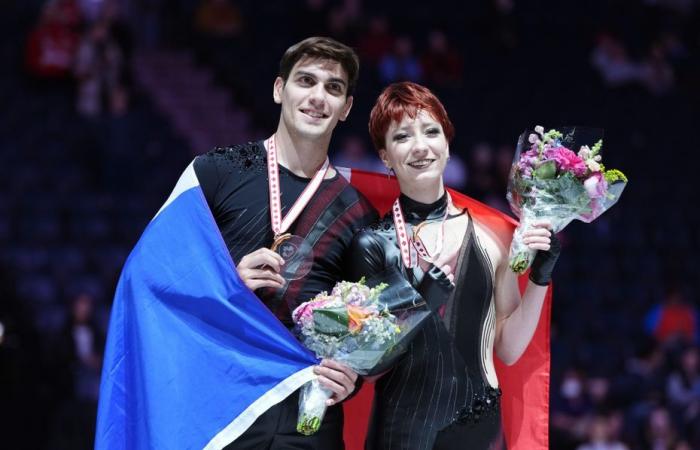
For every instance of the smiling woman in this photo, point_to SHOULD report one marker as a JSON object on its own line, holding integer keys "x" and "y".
{"x": 413, "y": 122}
{"x": 444, "y": 392}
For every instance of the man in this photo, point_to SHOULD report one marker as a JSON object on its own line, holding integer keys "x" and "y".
{"x": 258, "y": 204}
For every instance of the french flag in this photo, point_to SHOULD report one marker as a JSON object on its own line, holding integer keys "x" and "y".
{"x": 193, "y": 357}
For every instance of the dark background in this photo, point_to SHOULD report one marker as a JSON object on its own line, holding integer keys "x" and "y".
{"x": 105, "y": 103}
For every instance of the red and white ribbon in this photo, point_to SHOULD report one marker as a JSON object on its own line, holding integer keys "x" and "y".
{"x": 412, "y": 249}
{"x": 281, "y": 224}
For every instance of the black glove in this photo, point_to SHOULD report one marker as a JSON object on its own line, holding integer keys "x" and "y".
{"x": 435, "y": 288}
{"x": 543, "y": 264}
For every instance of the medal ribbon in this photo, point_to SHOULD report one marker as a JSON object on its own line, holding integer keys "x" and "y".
{"x": 412, "y": 248}
{"x": 280, "y": 224}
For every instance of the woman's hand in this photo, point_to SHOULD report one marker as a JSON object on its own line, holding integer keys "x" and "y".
{"x": 540, "y": 237}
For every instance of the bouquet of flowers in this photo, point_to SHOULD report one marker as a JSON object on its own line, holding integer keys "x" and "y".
{"x": 549, "y": 180}
{"x": 364, "y": 328}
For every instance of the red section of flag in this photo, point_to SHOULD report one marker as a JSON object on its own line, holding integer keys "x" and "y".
{"x": 525, "y": 385}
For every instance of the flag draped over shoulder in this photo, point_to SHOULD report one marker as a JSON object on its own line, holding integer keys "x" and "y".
{"x": 525, "y": 385}
{"x": 193, "y": 357}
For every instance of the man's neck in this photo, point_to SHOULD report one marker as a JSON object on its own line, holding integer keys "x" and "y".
{"x": 300, "y": 155}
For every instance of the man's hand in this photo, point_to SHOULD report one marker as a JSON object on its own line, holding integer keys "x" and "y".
{"x": 261, "y": 269}
{"x": 339, "y": 378}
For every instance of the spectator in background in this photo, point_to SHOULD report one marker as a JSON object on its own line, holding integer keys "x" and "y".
{"x": 481, "y": 182}
{"x": 91, "y": 9}
{"x": 645, "y": 370}
{"x": 100, "y": 71}
{"x": 376, "y": 42}
{"x": 598, "y": 390}
{"x": 610, "y": 58}
{"x": 340, "y": 23}
{"x": 456, "y": 174}
{"x": 674, "y": 319}
{"x": 660, "y": 432}
{"x": 52, "y": 45}
{"x": 219, "y": 23}
{"x": 80, "y": 345}
{"x": 499, "y": 170}
{"x": 401, "y": 64}
{"x": 353, "y": 153}
{"x": 218, "y": 18}
{"x": 145, "y": 15}
{"x": 119, "y": 29}
{"x": 441, "y": 63}
{"x": 572, "y": 410}
{"x": 503, "y": 161}
{"x": 616, "y": 68}
{"x": 502, "y": 25}
{"x": 683, "y": 386}
{"x": 601, "y": 436}
{"x": 683, "y": 391}
{"x": 656, "y": 73}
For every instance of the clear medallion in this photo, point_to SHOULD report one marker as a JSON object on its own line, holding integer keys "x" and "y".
{"x": 297, "y": 254}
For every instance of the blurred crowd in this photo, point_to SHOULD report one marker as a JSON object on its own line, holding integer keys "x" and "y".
{"x": 89, "y": 43}
{"x": 88, "y": 175}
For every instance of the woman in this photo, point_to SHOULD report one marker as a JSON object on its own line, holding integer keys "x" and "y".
{"x": 443, "y": 393}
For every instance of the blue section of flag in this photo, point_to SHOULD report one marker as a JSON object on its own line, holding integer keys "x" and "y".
{"x": 189, "y": 346}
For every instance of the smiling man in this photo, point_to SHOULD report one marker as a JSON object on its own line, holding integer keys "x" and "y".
{"x": 282, "y": 191}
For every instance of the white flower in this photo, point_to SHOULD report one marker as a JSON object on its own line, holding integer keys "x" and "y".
{"x": 590, "y": 185}
{"x": 593, "y": 166}
{"x": 539, "y": 129}
{"x": 532, "y": 139}
{"x": 584, "y": 153}
{"x": 597, "y": 158}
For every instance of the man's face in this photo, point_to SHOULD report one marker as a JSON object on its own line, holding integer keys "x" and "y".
{"x": 313, "y": 98}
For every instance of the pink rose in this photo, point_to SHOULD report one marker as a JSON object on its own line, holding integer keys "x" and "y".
{"x": 566, "y": 160}
{"x": 304, "y": 313}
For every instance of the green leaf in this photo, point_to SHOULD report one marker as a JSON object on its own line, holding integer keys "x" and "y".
{"x": 332, "y": 321}
{"x": 308, "y": 425}
{"x": 571, "y": 191}
{"x": 546, "y": 170}
{"x": 520, "y": 262}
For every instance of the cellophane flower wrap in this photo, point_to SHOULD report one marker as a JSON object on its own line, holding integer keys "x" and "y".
{"x": 556, "y": 176}
{"x": 365, "y": 328}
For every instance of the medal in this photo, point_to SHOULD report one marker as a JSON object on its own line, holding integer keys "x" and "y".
{"x": 412, "y": 247}
{"x": 296, "y": 252}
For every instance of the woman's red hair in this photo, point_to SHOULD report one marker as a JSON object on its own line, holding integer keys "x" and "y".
{"x": 399, "y": 100}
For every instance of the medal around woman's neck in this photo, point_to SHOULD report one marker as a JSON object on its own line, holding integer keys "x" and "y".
{"x": 296, "y": 252}
{"x": 413, "y": 247}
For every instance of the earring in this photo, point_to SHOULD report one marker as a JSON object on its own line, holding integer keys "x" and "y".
{"x": 389, "y": 171}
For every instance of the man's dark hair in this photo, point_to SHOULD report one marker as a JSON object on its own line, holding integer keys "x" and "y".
{"x": 322, "y": 48}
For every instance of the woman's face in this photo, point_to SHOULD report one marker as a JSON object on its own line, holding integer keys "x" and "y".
{"x": 416, "y": 149}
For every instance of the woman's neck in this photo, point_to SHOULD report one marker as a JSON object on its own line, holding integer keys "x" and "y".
{"x": 419, "y": 211}
{"x": 424, "y": 194}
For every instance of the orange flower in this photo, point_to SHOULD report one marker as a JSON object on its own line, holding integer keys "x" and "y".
{"x": 356, "y": 316}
